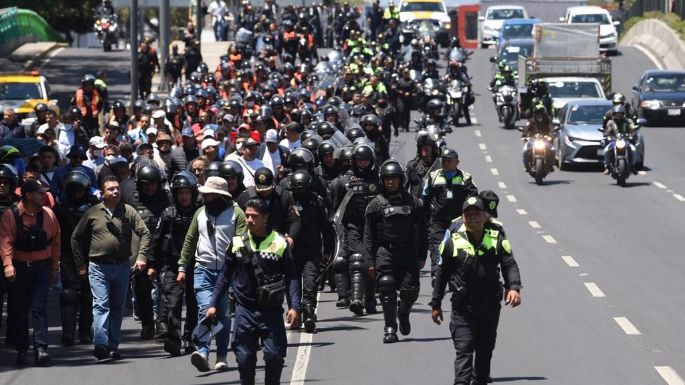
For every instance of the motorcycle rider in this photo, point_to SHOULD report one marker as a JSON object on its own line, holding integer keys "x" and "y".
{"x": 351, "y": 193}
{"x": 619, "y": 100}
{"x": 433, "y": 115}
{"x": 505, "y": 77}
{"x": 541, "y": 95}
{"x": 444, "y": 193}
{"x": 88, "y": 99}
{"x": 539, "y": 123}
{"x": 619, "y": 122}
{"x": 395, "y": 246}
{"x": 75, "y": 297}
{"x": 427, "y": 151}
{"x": 406, "y": 91}
{"x": 105, "y": 9}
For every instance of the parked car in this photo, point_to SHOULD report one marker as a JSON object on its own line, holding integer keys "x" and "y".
{"x": 493, "y": 19}
{"x": 659, "y": 95}
{"x": 579, "y": 139}
{"x": 608, "y": 36}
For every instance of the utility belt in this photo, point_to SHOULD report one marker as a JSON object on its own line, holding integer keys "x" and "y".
{"x": 31, "y": 263}
{"x": 460, "y": 296}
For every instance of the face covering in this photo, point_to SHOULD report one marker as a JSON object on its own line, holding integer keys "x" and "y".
{"x": 216, "y": 206}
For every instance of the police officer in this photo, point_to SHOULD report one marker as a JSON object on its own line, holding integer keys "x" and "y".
{"x": 303, "y": 159}
{"x": 8, "y": 184}
{"x": 395, "y": 246}
{"x": 371, "y": 126}
{"x": 472, "y": 258}
{"x": 167, "y": 242}
{"x": 232, "y": 172}
{"x": 150, "y": 200}
{"x": 444, "y": 192}
{"x": 352, "y": 192}
{"x": 259, "y": 267}
{"x": 327, "y": 168}
{"x": 427, "y": 151}
{"x": 75, "y": 296}
{"x": 315, "y": 231}
{"x": 490, "y": 202}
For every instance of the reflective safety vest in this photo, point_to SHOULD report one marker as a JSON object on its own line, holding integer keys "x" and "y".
{"x": 94, "y": 101}
{"x": 466, "y": 252}
{"x": 394, "y": 14}
{"x": 272, "y": 248}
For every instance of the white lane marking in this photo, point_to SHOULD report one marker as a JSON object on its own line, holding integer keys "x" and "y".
{"x": 303, "y": 352}
{"x": 669, "y": 375}
{"x": 511, "y": 198}
{"x": 594, "y": 289}
{"x": 534, "y": 224}
{"x": 570, "y": 261}
{"x": 50, "y": 56}
{"x": 522, "y": 212}
{"x": 474, "y": 120}
{"x": 679, "y": 197}
{"x": 549, "y": 239}
{"x": 477, "y": 132}
{"x": 482, "y": 146}
{"x": 627, "y": 326}
{"x": 642, "y": 172}
{"x": 494, "y": 171}
{"x": 502, "y": 185}
{"x": 659, "y": 185}
{"x": 488, "y": 159}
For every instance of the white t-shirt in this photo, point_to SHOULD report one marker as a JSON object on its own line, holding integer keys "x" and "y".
{"x": 249, "y": 168}
{"x": 291, "y": 145}
{"x": 272, "y": 160}
{"x": 217, "y": 9}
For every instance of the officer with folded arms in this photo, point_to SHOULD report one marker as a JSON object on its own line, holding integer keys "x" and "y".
{"x": 471, "y": 260}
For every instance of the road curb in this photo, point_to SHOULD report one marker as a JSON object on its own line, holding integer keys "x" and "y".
{"x": 655, "y": 37}
{"x": 33, "y": 57}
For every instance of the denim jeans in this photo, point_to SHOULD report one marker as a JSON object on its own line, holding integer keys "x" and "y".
{"x": 253, "y": 326}
{"x": 109, "y": 285}
{"x": 205, "y": 279}
{"x": 29, "y": 292}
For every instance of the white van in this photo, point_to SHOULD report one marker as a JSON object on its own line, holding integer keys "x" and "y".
{"x": 608, "y": 37}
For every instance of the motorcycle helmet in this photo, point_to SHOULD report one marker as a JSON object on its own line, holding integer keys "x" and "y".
{"x": 391, "y": 168}
{"x": 212, "y": 169}
{"x": 618, "y": 99}
{"x": 231, "y": 168}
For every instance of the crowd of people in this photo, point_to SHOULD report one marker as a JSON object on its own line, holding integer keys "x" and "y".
{"x": 246, "y": 189}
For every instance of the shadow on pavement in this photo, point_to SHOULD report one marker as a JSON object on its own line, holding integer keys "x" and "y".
{"x": 339, "y": 328}
{"x": 511, "y": 379}
{"x": 427, "y": 339}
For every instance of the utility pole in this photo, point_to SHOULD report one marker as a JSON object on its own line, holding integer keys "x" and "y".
{"x": 133, "y": 19}
{"x": 164, "y": 32}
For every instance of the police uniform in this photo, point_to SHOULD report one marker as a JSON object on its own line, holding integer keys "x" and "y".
{"x": 396, "y": 245}
{"x": 472, "y": 270}
{"x": 258, "y": 317}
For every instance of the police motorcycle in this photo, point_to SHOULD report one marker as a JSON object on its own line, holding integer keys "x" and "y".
{"x": 456, "y": 96}
{"x": 538, "y": 158}
{"x": 621, "y": 151}
{"x": 106, "y": 28}
{"x": 506, "y": 105}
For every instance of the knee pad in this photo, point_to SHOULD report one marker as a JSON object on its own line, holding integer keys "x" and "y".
{"x": 340, "y": 264}
{"x": 386, "y": 284}
{"x": 68, "y": 296}
{"x": 356, "y": 263}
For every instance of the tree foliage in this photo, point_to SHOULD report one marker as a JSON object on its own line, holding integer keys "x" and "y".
{"x": 66, "y": 16}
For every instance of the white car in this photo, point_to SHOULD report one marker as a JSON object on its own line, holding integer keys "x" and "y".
{"x": 491, "y": 22}
{"x": 608, "y": 36}
{"x": 564, "y": 89}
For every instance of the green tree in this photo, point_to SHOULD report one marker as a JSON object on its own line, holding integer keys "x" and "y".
{"x": 65, "y": 16}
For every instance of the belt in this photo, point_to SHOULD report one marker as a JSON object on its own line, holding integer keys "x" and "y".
{"x": 31, "y": 263}
{"x": 391, "y": 245}
{"x": 107, "y": 261}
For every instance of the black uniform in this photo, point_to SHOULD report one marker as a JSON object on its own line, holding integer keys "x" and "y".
{"x": 417, "y": 169}
{"x": 476, "y": 296}
{"x": 319, "y": 186}
{"x": 283, "y": 215}
{"x": 327, "y": 173}
{"x": 167, "y": 242}
{"x": 395, "y": 243}
{"x": 76, "y": 294}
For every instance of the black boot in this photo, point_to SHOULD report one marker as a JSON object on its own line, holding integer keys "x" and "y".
{"x": 162, "y": 331}
{"x": 342, "y": 288}
{"x": 309, "y": 317}
{"x": 357, "y": 283}
{"x": 403, "y": 316}
{"x": 390, "y": 335}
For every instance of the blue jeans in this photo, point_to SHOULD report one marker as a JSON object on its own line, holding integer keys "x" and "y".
{"x": 251, "y": 326}
{"x": 205, "y": 279}
{"x": 29, "y": 293}
{"x": 109, "y": 286}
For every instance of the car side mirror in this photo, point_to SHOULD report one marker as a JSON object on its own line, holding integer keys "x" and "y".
{"x": 636, "y": 88}
{"x": 481, "y": 18}
{"x": 616, "y": 23}
{"x": 493, "y": 59}
{"x": 556, "y": 122}
{"x": 641, "y": 122}
{"x": 561, "y": 19}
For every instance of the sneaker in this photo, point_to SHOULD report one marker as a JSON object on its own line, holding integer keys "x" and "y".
{"x": 100, "y": 352}
{"x": 200, "y": 361}
{"x": 172, "y": 348}
{"x": 42, "y": 357}
{"x": 221, "y": 364}
{"x": 114, "y": 354}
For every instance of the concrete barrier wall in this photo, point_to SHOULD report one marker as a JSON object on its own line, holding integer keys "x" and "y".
{"x": 658, "y": 39}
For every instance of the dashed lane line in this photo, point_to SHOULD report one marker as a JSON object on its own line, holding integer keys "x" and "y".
{"x": 482, "y": 146}
{"x": 502, "y": 185}
{"x": 488, "y": 159}
{"x": 659, "y": 185}
{"x": 522, "y": 212}
{"x": 570, "y": 261}
{"x": 594, "y": 290}
{"x": 549, "y": 239}
{"x": 627, "y": 326}
{"x": 477, "y": 132}
{"x": 669, "y": 375}
{"x": 679, "y": 197}
{"x": 494, "y": 171}
{"x": 534, "y": 224}
{"x": 511, "y": 198}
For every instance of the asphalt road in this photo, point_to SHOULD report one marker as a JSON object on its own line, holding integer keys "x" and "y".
{"x": 601, "y": 268}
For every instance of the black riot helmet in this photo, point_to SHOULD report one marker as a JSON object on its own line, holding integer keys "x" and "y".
{"x": 434, "y": 105}
{"x": 185, "y": 179}
{"x": 148, "y": 174}
{"x": 325, "y": 130}
{"x": 7, "y": 171}
{"x": 312, "y": 144}
{"x": 88, "y": 79}
{"x": 330, "y": 110}
{"x": 231, "y": 168}
{"x": 212, "y": 169}
{"x": 369, "y": 119}
{"x": 346, "y": 159}
{"x": 325, "y": 149}
{"x": 153, "y": 98}
{"x": 300, "y": 184}
{"x": 306, "y": 134}
{"x": 40, "y": 107}
{"x": 301, "y": 158}
{"x": 391, "y": 167}
{"x": 363, "y": 152}
{"x": 354, "y": 133}
{"x": 76, "y": 180}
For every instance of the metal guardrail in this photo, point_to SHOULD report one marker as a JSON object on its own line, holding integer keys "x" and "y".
{"x": 19, "y": 26}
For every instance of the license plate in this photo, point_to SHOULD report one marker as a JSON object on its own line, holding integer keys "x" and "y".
{"x": 674, "y": 112}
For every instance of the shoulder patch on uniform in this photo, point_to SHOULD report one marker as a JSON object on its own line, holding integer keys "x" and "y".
{"x": 506, "y": 245}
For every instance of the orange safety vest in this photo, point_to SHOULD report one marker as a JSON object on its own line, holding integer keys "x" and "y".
{"x": 94, "y": 101}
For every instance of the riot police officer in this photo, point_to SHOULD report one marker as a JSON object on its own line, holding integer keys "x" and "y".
{"x": 371, "y": 126}
{"x": 351, "y": 193}
{"x": 327, "y": 168}
{"x": 395, "y": 246}
{"x": 427, "y": 151}
{"x": 303, "y": 159}
{"x": 150, "y": 200}
{"x": 315, "y": 231}
{"x": 472, "y": 258}
{"x": 444, "y": 192}
{"x": 233, "y": 173}
{"x": 167, "y": 242}
{"x": 75, "y": 296}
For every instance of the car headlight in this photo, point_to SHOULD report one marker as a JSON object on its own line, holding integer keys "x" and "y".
{"x": 447, "y": 25}
{"x": 651, "y": 104}
{"x": 608, "y": 36}
{"x": 569, "y": 140}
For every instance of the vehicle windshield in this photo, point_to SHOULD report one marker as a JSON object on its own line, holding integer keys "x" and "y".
{"x": 422, "y": 6}
{"x": 598, "y": 18}
{"x": 517, "y": 31}
{"x": 503, "y": 14}
{"x": 511, "y": 54}
{"x": 587, "y": 114}
{"x": 568, "y": 89}
{"x": 665, "y": 83}
{"x": 19, "y": 91}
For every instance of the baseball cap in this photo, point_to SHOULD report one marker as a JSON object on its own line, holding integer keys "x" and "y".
{"x": 271, "y": 136}
{"x": 215, "y": 185}
{"x": 209, "y": 142}
{"x": 187, "y": 132}
{"x": 158, "y": 114}
{"x": 250, "y": 142}
{"x": 473, "y": 202}
{"x": 449, "y": 153}
{"x": 208, "y": 133}
{"x": 490, "y": 201}
{"x": 32, "y": 185}
{"x": 264, "y": 179}
{"x": 151, "y": 131}
{"x": 97, "y": 142}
